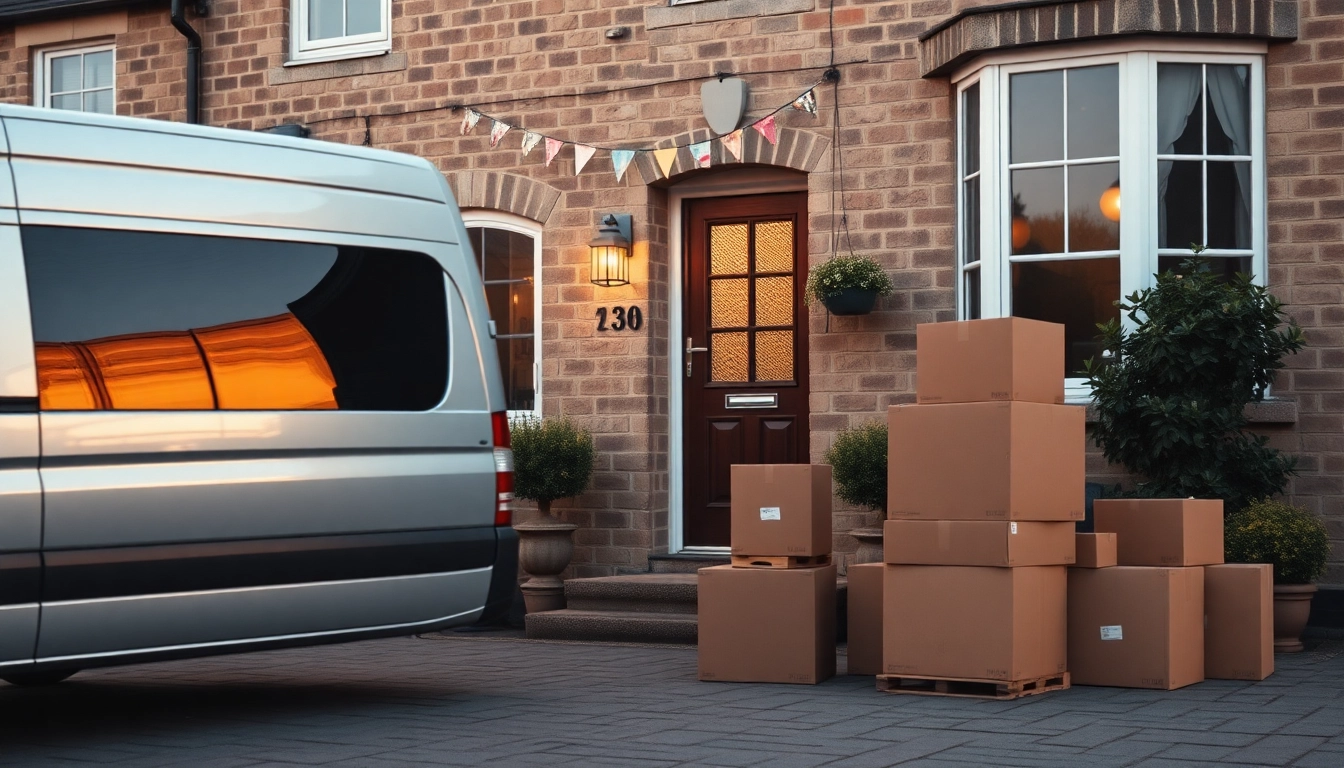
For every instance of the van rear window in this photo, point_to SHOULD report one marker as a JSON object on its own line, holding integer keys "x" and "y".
{"x": 151, "y": 321}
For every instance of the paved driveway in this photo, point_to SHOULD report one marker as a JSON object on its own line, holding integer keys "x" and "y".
{"x": 499, "y": 702}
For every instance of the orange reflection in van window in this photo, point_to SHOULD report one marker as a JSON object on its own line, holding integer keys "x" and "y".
{"x": 153, "y": 372}
{"x": 64, "y": 379}
{"x": 270, "y": 363}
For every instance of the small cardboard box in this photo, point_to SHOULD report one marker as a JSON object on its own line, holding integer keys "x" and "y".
{"x": 762, "y": 625}
{"x": 975, "y": 361}
{"x": 1163, "y": 532}
{"x": 1095, "y": 550}
{"x": 1136, "y": 627}
{"x": 986, "y": 461}
{"x": 974, "y": 623}
{"x": 974, "y": 542}
{"x": 1238, "y": 622}
{"x": 865, "y": 619}
{"x": 781, "y": 509}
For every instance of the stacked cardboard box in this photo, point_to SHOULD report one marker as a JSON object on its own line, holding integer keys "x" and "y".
{"x": 769, "y": 617}
{"x": 986, "y": 479}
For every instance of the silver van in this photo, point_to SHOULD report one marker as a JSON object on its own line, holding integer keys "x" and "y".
{"x": 248, "y": 397}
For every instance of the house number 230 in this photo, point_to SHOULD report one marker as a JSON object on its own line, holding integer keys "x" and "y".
{"x": 622, "y": 319}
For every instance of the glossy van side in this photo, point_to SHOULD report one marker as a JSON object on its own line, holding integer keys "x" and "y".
{"x": 248, "y": 397}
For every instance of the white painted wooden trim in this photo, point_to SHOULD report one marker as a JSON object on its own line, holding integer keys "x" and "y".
{"x": 42, "y": 67}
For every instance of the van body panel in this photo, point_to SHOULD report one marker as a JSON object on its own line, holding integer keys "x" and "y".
{"x": 167, "y": 622}
{"x": 20, "y": 486}
{"x": 18, "y": 372}
{"x": 18, "y": 633}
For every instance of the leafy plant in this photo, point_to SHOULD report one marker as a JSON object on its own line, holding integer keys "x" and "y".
{"x": 552, "y": 459}
{"x": 858, "y": 462}
{"x": 1171, "y": 403}
{"x": 1293, "y": 540}
{"x": 842, "y": 272}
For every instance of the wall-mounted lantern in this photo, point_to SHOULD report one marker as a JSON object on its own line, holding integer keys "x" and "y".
{"x": 609, "y": 251}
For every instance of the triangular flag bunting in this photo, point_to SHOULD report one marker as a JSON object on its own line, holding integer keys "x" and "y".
{"x": 620, "y": 160}
{"x": 469, "y": 121}
{"x": 700, "y": 152}
{"x": 582, "y": 154}
{"x": 552, "y": 149}
{"x": 806, "y": 103}
{"x": 766, "y": 127}
{"x": 497, "y": 132}
{"x": 530, "y": 141}
{"x": 666, "y": 159}
{"x": 733, "y": 143}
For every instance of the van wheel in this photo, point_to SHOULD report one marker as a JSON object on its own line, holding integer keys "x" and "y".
{"x": 45, "y": 677}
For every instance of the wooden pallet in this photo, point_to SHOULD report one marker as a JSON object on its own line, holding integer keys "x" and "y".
{"x": 976, "y": 689}
{"x": 780, "y": 561}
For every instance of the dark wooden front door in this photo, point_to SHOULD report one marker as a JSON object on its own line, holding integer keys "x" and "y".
{"x": 745, "y": 374}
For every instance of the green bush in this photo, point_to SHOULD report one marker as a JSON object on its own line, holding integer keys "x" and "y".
{"x": 859, "y": 465}
{"x": 1293, "y": 540}
{"x": 552, "y": 459}
{"x": 1170, "y": 406}
{"x": 844, "y": 272}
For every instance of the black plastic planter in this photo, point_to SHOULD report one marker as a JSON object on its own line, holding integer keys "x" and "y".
{"x": 851, "y": 301}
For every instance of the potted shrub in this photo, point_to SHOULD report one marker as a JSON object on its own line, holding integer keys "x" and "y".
{"x": 847, "y": 285}
{"x": 552, "y": 459}
{"x": 1295, "y": 542}
{"x": 858, "y": 462}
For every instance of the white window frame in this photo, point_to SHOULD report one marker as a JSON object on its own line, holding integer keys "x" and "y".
{"x": 1137, "y": 60}
{"x": 485, "y": 217}
{"x": 42, "y": 69}
{"x": 302, "y": 50}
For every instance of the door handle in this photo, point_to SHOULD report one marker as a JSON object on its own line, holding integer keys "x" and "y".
{"x": 690, "y": 348}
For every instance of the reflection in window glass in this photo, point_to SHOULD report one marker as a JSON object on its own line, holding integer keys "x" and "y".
{"x": 149, "y": 321}
{"x": 1089, "y": 228}
{"x": 507, "y": 260}
{"x": 1077, "y": 293}
{"x": 1038, "y": 210}
{"x": 1036, "y": 105}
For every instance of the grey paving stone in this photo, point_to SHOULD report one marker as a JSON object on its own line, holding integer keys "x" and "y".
{"x": 1275, "y": 750}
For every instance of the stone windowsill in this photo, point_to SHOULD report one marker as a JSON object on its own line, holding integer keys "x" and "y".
{"x": 364, "y": 64}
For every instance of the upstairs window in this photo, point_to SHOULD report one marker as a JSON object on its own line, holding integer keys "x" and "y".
{"x": 323, "y": 30}
{"x": 78, "y": 79}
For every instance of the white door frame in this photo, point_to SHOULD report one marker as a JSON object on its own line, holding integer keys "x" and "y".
{"x": 756, "y": 181}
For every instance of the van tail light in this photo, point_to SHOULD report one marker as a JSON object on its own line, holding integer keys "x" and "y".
{"x": 499, "y": 424}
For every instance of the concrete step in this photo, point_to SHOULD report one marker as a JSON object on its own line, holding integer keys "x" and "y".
{"x": 647, "y": 593}
{"x": 612, "y": 626}
{"x": 684, "y": 563}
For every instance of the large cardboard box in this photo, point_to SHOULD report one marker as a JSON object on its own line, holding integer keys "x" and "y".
{"x": 1163, "y": 532}
{"x": 1095, "y": 550}
{"x": 1238, "y": 622}
{"x": 865, "y": 619}
{"x": 761, "y": 625}
{"x": 781, "y": 509}
{"x": 986, "y": 461}
{"x": 1136, "y": 627}
{"x": 975, "y": 542}
{"x": 973, "y": 361}
{"x": 974, "y": 623}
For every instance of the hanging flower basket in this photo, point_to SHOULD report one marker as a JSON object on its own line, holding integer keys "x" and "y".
{"x": 851, "y": 301}
{"x": 848, "y": 285}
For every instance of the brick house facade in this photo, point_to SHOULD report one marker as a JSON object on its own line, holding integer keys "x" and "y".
{"x": 551, "y": 66}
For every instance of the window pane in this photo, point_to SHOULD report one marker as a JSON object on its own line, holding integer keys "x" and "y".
{"x": 1180, "y": 203}
{"x": 325, "y": 19}
{"x": 774, "y": 356}
{"x": 970, "y": 221}
{"x": 970, "y": 138}
{"x": 510, "y": 306}
{"x": 1229, "y": 94}
{"x": 98, "y": 69}
{"x": 1079, "y": 294}
{"x": 1036, "y": 106}
{"x": 66, "y": 74}
{"x": 1038, "y": 211}
{"x": 774, "y": 246}
{"x": 1180, "y": 110}
{"x": 971, "y": 293}
{"x": 1223, "y": 266}
{"x": 163, "y": 322}
{"x": 68, "y": 101}
{"x": 516, "y": 358}
{"x": 728, "y": 302}
{"x": 728, "y": 356}
{"x": 1094, "y": 111}
{"x": 507, "y": 255}
{"x": 1089, "y": 227}
{"x": 1229, "y": 206}
{"x": 99, "y": 101}
{"x": 728, "y": 249}
{"x": 363, "y": 17}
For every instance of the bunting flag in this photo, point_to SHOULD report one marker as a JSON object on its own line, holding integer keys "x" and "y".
{"x": 733, "y": 143}
{"x": 766, "y": 127}
{"x": 666, "y": 159}
{"x": 700, "y": 151}
{"x": 582, "y": 154}
{"x": 620, "y": 160}
{"x": 530, "y": 141}
{"x": 469, "y": 121}
{"x": 806, "y": 103}
{"x": 497, "y": 131}
{"x": 552, "y": 149}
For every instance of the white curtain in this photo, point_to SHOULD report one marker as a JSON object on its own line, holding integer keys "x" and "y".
{"x": 1230, "y": 97}
{"x": 1178, "y": 87}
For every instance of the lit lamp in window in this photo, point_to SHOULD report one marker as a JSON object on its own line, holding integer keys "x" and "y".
{"x": 609, "y": 251}
{"x": 1110, "y": 202}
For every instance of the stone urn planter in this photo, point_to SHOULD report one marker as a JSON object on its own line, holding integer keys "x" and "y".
{"x": 870, "y": 545}
{"x": 545, "y": 547}
{"x": 1292, "y": 608}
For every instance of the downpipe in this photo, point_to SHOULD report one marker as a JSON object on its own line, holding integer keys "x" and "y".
{"x": 178, "y": 15}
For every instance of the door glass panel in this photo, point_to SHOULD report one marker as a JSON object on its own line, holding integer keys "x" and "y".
{"x": 1089, "y": 228}
{"x": 506, "y": 259}
{"x": 774, "y": 355}
{"x": 774, "y": 301}
{"x": 774, "y": 246}
{"x": 1078, "y": 294}
{"x": 728, "y": 356}
{"x": 728, "y": 303}
{"x": 1036, "y": 106}
{"x": 728, "y": 249}
{"x": 1038, "y": 211}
